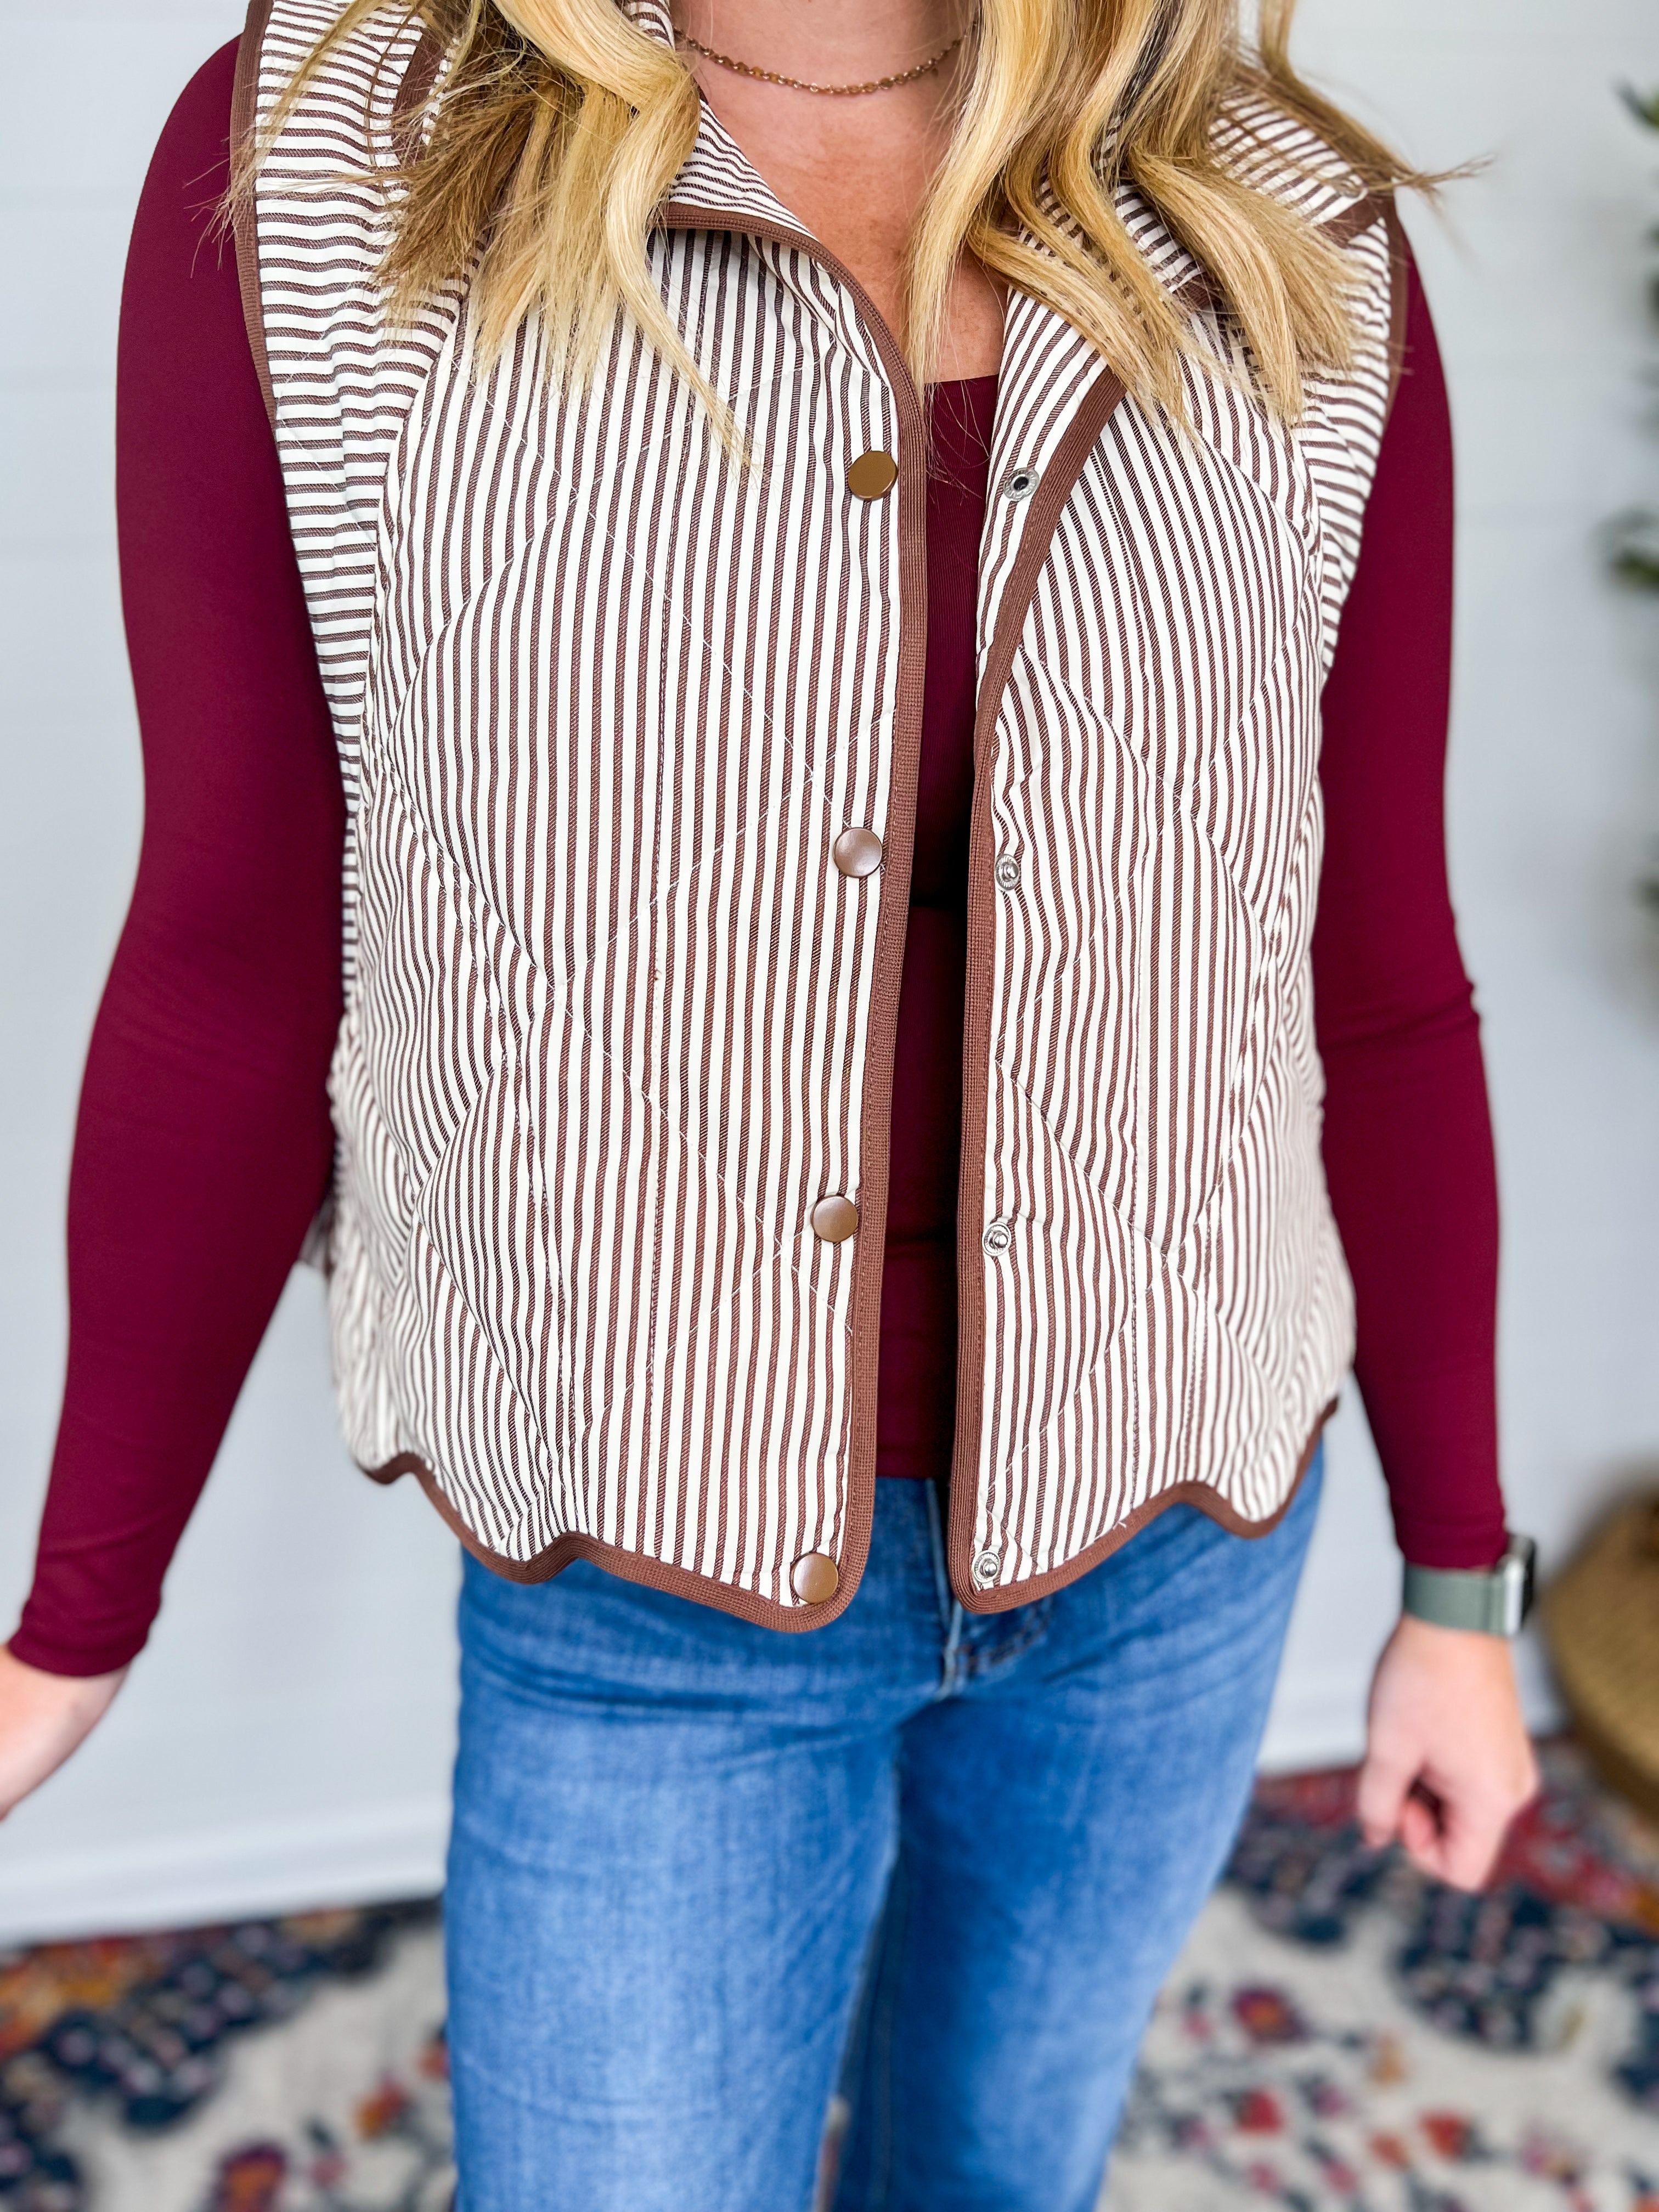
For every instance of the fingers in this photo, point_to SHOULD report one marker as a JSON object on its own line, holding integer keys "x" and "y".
{"x": 1446, "y": 1845}
{"x": 1456, "y": 1851}
{"x": 1420, "y": 1835}
{"x": 1381, "y": 1797}
{"x": 1473, "y": 1832}
{"x": 1450, "y": 1844}
{"x": 1455, "y": 1836}
{"x": 1449, "y": 1764}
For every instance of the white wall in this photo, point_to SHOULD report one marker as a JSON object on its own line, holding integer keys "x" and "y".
{"x": 285, "y": 1738}
{"x": 1538, "y": 282}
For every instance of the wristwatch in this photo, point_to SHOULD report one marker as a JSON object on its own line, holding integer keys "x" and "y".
{"x": 1495, "y": 1602}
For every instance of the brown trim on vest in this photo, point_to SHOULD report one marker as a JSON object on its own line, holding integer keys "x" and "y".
{"x": 795, "y": 1619}
{"x": 631, "y": 1566}
{"x": 1353, "y": 222}
{"x": 408, "y": 113}
{"x": 1201, "y": 1494}
{"x": 414, "y": 89}
{"x": 244, "y": 105}
{"x": 1354, "y": 219}
{"x": 892, "y": 926}
{"x": 1400, "y": 254}
{"x": 1048, "y": 503}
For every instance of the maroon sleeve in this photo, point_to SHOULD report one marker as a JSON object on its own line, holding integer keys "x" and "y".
{"x": 1408, "y": 1151}
{"x": 203, "y": 1144}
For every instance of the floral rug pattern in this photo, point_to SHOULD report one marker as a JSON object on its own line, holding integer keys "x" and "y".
{"x": 1339, "y": 2036}
{"x": 1342, "y": 2035}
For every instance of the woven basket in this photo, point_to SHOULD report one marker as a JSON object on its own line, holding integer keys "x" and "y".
{"x": 1602, "y": 1619}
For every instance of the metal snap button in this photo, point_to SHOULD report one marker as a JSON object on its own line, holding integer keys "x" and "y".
{"x": 986, "y": 1567}
{"x": 834, "y": 1218}
{"x": 999, "y": 1236}
{"x": 814, "y": 1578}
{"x": 858, "y": 852}
{"x": 1008, "y": 874}
{"x": 873, "y": 475}
{"x": 1019, "y": 483}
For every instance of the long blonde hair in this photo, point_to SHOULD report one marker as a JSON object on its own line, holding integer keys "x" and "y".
{"x": 559, "y": 126}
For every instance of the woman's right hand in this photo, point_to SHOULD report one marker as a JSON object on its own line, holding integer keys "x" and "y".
{"x": 43, "y": 1718}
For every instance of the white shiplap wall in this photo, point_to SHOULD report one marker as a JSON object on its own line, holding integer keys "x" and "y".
{"x": 286, "y": 1737}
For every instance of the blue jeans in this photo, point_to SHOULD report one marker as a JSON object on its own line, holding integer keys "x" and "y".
{"x": 703, "y": 1873}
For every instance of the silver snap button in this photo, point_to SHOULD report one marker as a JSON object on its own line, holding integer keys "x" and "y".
{"x": 999, "y": 1236}
{"x": 1008, "y": 874}
{"x": 1019, "y": 483}
{"x": 986, "y": 1567}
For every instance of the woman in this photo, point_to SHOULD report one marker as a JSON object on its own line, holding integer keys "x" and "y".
{"x": 769, "y": 578}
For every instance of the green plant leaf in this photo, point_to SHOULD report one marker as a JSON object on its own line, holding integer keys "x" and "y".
{"x": 1633, "y": 547}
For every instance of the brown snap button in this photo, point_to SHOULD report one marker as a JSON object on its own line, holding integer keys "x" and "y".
{"x": 858, "y": 852}
{"x": 834, "y": 1218}
{"x": 873, "y": 475}
{"x": 814, "y": 1579}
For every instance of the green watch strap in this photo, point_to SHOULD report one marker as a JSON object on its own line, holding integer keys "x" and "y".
{"x": 1493, "y": 1604}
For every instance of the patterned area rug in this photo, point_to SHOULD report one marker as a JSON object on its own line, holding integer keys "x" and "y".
{"x": 1344, "y": 2036}
{"x": 1339, "y": 2036}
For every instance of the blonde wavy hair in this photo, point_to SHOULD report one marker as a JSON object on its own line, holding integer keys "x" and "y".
{"x": 559, "y": 126}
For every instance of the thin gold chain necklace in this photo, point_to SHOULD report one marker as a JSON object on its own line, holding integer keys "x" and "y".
{"x": 828, "y": 91}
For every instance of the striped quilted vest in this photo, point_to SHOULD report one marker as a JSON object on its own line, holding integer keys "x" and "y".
{"x": 613, "y": 1086}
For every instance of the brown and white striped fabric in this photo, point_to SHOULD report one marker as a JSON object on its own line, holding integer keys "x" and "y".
{"x": 616, "y": 1022}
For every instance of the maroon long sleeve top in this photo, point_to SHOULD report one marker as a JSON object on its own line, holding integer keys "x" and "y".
{"x": 204, "y": 1144}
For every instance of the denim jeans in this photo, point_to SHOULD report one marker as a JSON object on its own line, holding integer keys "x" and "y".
{"x": 703, "y": 1873}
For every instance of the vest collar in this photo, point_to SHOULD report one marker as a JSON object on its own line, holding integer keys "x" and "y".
{"x": 718, "y": 176}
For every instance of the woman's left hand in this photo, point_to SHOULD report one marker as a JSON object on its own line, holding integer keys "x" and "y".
{"x": 1447, "y": 1760}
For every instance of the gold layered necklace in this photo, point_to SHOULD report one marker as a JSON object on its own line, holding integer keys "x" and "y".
{"x": 826, "y": 91}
